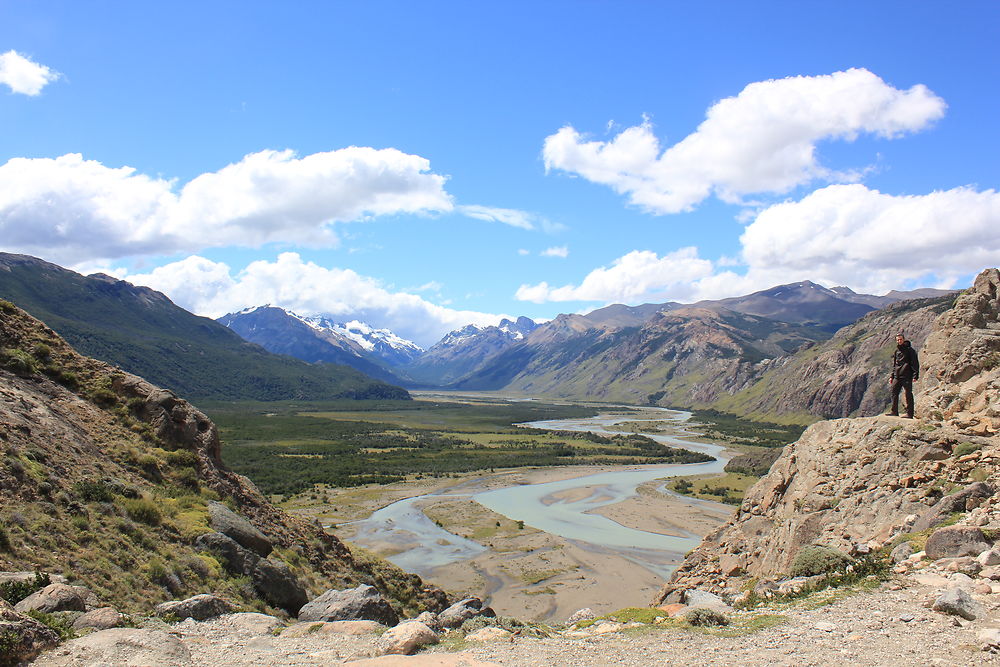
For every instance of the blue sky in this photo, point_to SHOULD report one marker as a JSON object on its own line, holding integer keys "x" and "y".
{"x": 423, "y": 165}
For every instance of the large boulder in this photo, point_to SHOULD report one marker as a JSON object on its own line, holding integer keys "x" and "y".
{"x": 277, "y": 585}
{"x": 234, "y": 557}
{"x": 363, "y": 603}
{"x": 958, "y": 603}
{"x": 406, "y": 638}
{"x": 705, "y": 600}
{"x": 463, "y": 610}
{"x": 960, "y": 501}
{"x": 24, "y": 637}
{"x": 104, "y": 618}
{"x": 200, "y": 608}
{"x": 121, "y": 646}
{"x": 956, "y": 541}
{"x": 228, "y": 522}
{"x": 52, "y": 598}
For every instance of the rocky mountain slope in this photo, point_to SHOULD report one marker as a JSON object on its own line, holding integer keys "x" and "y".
{"x": 465, "y": 350}
{"x": 691, "y": 357}
{"x": 854, "y": 485}
{"x": 143, "y": 332}
{"x": 117, "y": 485}
{"x": 311, "y": 340}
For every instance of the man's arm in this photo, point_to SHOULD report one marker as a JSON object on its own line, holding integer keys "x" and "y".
{"x": 914, "y": 364}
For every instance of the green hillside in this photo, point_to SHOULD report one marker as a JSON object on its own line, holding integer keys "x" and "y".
{"x": 145, "y": 333}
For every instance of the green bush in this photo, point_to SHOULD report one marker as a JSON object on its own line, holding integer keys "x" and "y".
{"x": 104, "y": 397}
{"x": 966, "y": 448}
{"x": 41, "y": 351}
{"x": 15, "y": 591}
{"x": 814, "y": 560}
{"x": 7, "y": 306}
{"x": 18, "y": 361}
{"x": 62, "y": 625}
{"x": 4, "y": 539}
{"x": 143, "y": 511}
{"x": 93, "y": 492}
{"x": 706, "y": 617}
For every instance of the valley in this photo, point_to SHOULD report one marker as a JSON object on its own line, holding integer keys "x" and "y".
{"x": 535, "y": 541}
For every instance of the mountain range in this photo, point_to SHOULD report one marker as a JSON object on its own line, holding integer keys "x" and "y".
{"x": 143, "y": 332}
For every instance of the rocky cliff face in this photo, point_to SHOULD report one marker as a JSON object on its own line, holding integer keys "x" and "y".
{"x": 857, "y": 484}
{"x": 108, "y": 480}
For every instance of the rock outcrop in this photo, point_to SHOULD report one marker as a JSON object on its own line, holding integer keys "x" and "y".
{"x": 854, "y": 485}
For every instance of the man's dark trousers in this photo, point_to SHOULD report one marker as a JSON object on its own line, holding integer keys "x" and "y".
{"x": 900, "y": 384}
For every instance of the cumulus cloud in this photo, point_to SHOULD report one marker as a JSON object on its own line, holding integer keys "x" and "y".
{"x": 641, "y": 274}
{"x": 71, "y": 210}
{"x": 212, "y": 289}
{"x": 23, "y": 75}
{"x": 556, "y": 251}
{"x": 761, "y": 141}
{"x": 838, "y": 235}
{"x": 853, "y": 235}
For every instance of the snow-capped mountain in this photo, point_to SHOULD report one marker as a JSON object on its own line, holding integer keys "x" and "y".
{"x": 388, "y": 346}
{"x": 465, "y": 350}
{"x": 320, "y": 339}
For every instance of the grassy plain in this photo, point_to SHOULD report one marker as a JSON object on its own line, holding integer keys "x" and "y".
{"x": 292, "y": 446}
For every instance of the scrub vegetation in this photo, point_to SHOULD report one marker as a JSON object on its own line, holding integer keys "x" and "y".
{"x": 290, "y": 447}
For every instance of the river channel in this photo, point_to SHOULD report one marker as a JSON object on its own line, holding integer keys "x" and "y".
{"x": 564, "y": 508}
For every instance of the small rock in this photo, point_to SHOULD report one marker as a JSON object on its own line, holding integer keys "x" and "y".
{"x": 906, "y": 618}
{"x": 989, "y": 557}
{"x": 901, "y": 552}
{"x": 406, "y": 638}
{"x": 982, "y": 588}
{"x": 731, "y": 564}
{"x": 200, "y": 607}
{"x": 52, "y": 598}
{"x": 584, "y": 614}
{"x": 99, "y": 619}
{"x": 991, "y": 572}
{"x": 825, "y": 626}
{"x": 957, "y": 602}
{"x": 989, "y": 638}
{"x": 430, "y": 619}
{"x": 363, "y": 603}
{"x": 488, "y": 634}
{"x": 461, "y": 611}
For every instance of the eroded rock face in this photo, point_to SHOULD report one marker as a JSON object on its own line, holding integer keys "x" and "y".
{"x": 54, "y": 597}
{"x": 232, "y": 525}
{"x": 955, "y": 542}
{"x": 463, "y": 610}
{"x": 121, "y": 646}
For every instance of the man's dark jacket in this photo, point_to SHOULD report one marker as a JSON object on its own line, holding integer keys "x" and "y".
{"x": 905, "y": 365}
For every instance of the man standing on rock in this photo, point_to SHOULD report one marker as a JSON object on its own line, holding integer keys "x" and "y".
{"x": 905, "y": 369}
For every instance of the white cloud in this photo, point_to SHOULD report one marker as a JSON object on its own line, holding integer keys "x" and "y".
{"x": 874, "y": 242}
{"x": 838, "y": 235}
{"x": 760, "y": 141}
{"x": 641, "y": 274}
{"x": 211, "y": 289}
{"x": 23, "y": 75}
{"x": 507, "y": 216}
{"x": 556, "y": 251}
{"x": 512, "y": 217}
{"x": 523, "y": 251}
{"x": 71, "y": 210}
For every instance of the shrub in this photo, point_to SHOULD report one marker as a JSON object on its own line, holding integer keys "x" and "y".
{"x": 18, "y": 361}
{"x": 706, "y": 617}
{"x": 104, "y": 397}
{"x": 62, "y": 625}
{"x": 41, "y": 351}
{"x": 15, "y": 591}
{"x": 7, "y": 306}
{"x": 4, "y": 539}
{"x": 966, "y": 448}
{"x": 93, "y": 492}
{"x": 143, "y": 511}
{"x": 814, "y": 560}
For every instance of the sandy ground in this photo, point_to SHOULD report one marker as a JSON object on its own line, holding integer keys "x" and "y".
{"x": 526, "y": 573}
